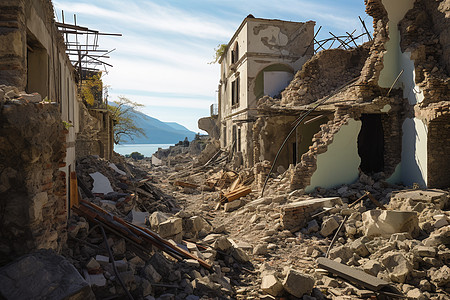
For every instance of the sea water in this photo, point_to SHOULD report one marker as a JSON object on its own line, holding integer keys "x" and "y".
{"x": 146, "y": 149}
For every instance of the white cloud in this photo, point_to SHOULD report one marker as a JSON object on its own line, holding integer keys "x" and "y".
{"x": 152, "y": 16}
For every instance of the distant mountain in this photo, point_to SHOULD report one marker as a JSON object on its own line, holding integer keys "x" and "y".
{"x": 158, "y": 132}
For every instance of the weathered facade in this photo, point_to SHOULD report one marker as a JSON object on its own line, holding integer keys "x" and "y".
{"x": 39, "y": 123}
{"x": 260, "y": 59}
{"x": 393, "y": 116}
{"x": 33, "y": 59}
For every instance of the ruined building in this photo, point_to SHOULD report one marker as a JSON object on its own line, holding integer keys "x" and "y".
{"x": 380, "y": 107}
{"x": 40, "y": 117}
{"x": 260, "y": 59}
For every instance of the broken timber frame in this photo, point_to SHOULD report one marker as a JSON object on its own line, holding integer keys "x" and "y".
{"x": 141, "y": 236}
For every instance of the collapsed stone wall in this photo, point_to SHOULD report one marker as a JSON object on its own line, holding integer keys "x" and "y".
{"x": 33, "y": 208}
{"x": 95, "y": 135}
{"x": 267, "y": 139}
{"x": 302, "y": 172}
{"x": 424, "y": 34}
{"x": 325, "y": 72}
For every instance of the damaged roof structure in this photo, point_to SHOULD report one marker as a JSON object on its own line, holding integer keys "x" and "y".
{"x": 382, "y": 106}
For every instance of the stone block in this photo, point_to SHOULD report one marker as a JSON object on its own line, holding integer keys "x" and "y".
{"x": 171, "y": 227}
{"x": 240, "y": 255}
{"x": 397, "y": 265}
{"x": 297, "y": 283}
{"x": 387, "y": 222}
{"x": 230, "y": 206}
{"x": 441, "y": 277}
{"x": 222, "y": 244}
{"x": 260, "y": 249}
{"x": 151, "y": 274}
{"x": 342, "y": 252}
{"x": 43, "y": 275}
{"x": 359, "y": 248}
{"x": 271, "y": 285}
{"x": 328, "y": 227}
{"x": 438, "y": 237}
{"x": 424, "y": 251}
{"x": 372, "y": 267}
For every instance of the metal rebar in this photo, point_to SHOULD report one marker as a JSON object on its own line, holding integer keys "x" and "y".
{"x": 111, "y": 258}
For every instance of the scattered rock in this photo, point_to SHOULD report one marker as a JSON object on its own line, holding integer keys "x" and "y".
{"x": 328, "y": 227}
{"x": 297, "y": 283}
{"x": 271, "y": 285}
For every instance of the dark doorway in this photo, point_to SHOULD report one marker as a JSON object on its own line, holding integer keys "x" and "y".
{"x": 371, "y": 144}
{"x": 239, "y": 140}
{"x": 234, "y": 137}
{"x": 294, "y": 153}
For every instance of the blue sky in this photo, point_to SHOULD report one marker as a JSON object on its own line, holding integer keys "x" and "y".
{"x": 162, "y": 58}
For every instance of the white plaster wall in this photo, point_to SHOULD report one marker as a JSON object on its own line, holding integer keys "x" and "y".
{"x": 340, "y": 163}
{"x": 276, "y": 81}
{"x": 394, "y": 60}
{"x": 413, "y": 166}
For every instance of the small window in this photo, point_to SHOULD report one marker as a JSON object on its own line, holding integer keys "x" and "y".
{"x": 225, "y": 136}
{"x": 235, "y": 92}
{"x": 235, "y": 53}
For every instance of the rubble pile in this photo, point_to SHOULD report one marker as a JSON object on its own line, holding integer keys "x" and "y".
{"x": 125, "y": 192}
{"x": 182, "y": 152}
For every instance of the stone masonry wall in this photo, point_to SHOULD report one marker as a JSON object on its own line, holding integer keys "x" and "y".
{"x": 425, "y": 37}
{"x": 325, "y": 72}
{"x": 13, "y": 43}
{"x": 32, "y": 188}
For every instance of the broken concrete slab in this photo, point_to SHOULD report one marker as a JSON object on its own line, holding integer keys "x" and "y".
{"x": 354, "y": 275}
{"x": 43, "y": 275}
{"x": 387, "y": 222}
{"x": 101, "y": 184}
{"x": 437, "y": 197}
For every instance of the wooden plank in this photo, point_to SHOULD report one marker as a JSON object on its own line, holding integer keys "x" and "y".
{"x": 238, "y": 193}
{"x": 185, "y": 184}
{"x": 73, "y": 190}
{"x": 235, "y": 183}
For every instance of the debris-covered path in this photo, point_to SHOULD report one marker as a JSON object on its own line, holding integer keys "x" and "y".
{"x": 256, "y": 247}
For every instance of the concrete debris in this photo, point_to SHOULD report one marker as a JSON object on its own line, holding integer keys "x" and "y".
{"x": 167, "y": 237}
{"x": 388, "y": 222}
{"x": 298, "y": 284}
{"x": 101, "y": 184}
{"x": 271, "y": 285}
